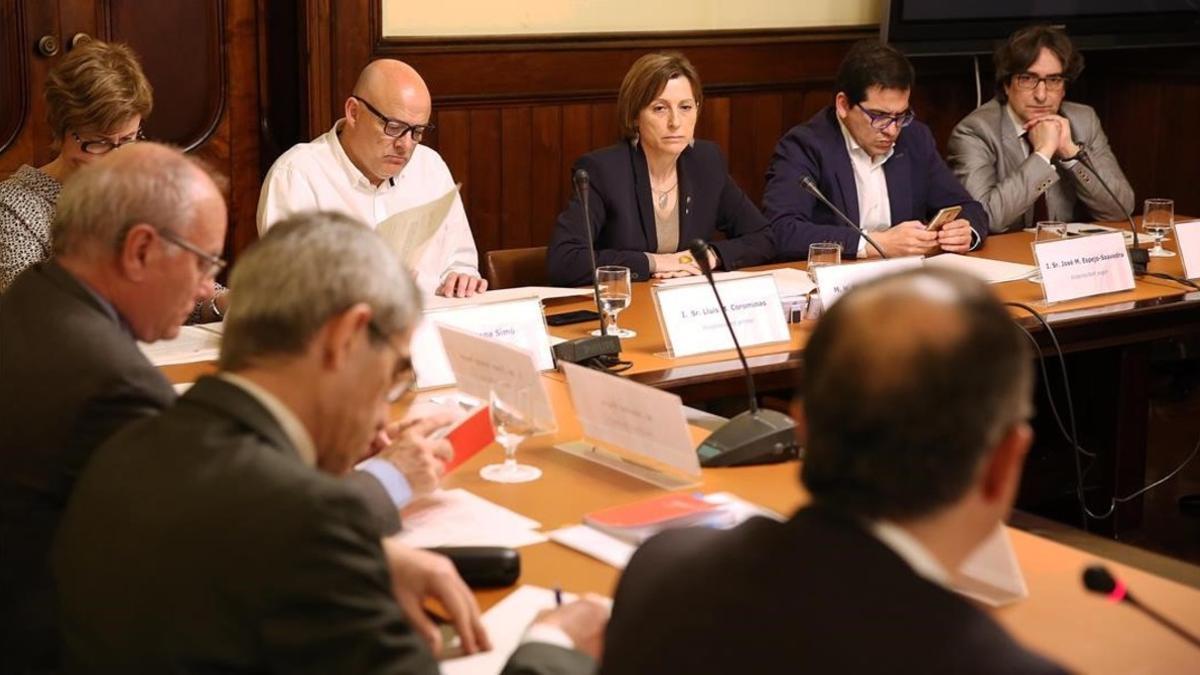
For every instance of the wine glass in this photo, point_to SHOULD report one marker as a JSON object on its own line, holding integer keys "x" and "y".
{"x": 1047, "y": 230}
{"x": 512, "y": 423}
{"x": 615, "y": 295}
{"x": 1158, "y": 216}
{"x": 823, "y": 254}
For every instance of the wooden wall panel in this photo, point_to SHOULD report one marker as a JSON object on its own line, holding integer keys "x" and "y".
{"x": 514, "y": 113}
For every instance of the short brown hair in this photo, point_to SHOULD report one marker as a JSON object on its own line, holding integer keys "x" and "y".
{"x": 645, "y": 80}
{"x": 96, "y": 87}
{"x": 1022, "y": 49}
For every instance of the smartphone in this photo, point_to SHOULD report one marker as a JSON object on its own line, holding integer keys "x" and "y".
{"x": 568, "y": 318}
{"x": 944, "y": 216}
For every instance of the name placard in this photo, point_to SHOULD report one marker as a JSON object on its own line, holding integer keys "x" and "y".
{"x": 482, "y": 365}
{"x": 1081, "y": 267}
{"x": 515, "y": 322}
{"x": 1187, "y": 239}
{"x": 631, "y": 427}
{"x": 834, "y": 280}
{"x": 691, "y": 320}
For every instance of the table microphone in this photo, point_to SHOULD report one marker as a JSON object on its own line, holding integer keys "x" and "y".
{"x": 589, "y": 350}
{"x": 1097, "y": 579}
{"x": 1140, "y": 257}
{"x": 756, "y": 436}
{"x": 809, "y": 184}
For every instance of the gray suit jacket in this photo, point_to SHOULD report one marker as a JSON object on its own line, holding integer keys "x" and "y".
{"x": 989, "y": 158}
{"x": 199, "y": 541}
{"x": 71, "y": 375}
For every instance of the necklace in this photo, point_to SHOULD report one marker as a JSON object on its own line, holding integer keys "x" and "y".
{"x": 661, "y": 195}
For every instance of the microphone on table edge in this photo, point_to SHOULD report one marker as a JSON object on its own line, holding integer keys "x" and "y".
{"x": 1140, "y": 257}
{"x": 1097, "y": 579}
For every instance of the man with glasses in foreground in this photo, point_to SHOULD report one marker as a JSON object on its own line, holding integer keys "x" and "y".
{"x": 873, "y": 160}
{"x": 371, "y": 165}
{"x": 137, "y": 236}
{"x": 255, "y": 557}
{"x": 1019, "y": 152}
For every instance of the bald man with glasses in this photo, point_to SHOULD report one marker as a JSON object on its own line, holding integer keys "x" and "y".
{"x": 873, "y": 160}
{"x": 372, "y": 166}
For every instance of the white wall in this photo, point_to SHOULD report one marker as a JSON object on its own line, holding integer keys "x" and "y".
{"x": 439, "y": 18}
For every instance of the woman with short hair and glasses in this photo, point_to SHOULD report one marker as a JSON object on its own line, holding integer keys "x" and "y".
{"x": 96, "y": 100}
{"x": 658, "y": 189}
{"x": 1019, "y": 152}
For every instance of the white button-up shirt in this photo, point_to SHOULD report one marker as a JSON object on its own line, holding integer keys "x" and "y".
{"x": 319, "y": 175}
{"x": 874, "y": 205}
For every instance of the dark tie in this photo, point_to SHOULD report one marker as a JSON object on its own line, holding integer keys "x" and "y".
{"x": 1040, "y": 210}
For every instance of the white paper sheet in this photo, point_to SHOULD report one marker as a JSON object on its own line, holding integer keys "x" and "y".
{"x": 990, "y": 271}
{"x": 543, "y": 293}
{"x": 991, "y": 574}
{"x": 460, "y": 518}
{"x": 505, "y": 623}
{"x": 790, "y": 281}
{"x": 592, "y": 542}
{"x": 410, "y": 230}
{"x": 193, "y": 344}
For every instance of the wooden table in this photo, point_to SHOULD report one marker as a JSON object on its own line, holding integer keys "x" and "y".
{"x": 1059, "y": 618}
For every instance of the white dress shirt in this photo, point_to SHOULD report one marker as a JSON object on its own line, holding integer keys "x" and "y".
{"x": 319, "y": 175}
{"x": 874, "y": 205}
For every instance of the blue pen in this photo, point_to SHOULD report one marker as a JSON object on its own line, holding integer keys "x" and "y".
{"x": 558, "y": 596}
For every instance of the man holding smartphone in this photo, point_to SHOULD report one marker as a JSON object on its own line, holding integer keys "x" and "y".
{"x": 1019, "y": 153}
{"x": 876, "y": 163}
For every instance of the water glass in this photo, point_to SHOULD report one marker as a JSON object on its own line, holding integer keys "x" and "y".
{"x": 1158, "y": 216}
{"x": 822, "y": 254}
{"x": 616, "y": 292}
{"x": 512, "y": 422}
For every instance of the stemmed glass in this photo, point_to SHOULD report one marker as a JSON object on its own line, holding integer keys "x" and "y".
{"x": 1158, "y": 216}
{"x": 1047, "y": 230}
{"x": 512, "y": 424}
{"x": 615, "y": 296}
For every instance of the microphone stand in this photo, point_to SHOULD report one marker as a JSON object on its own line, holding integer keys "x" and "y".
{"x": 811, "y": 186}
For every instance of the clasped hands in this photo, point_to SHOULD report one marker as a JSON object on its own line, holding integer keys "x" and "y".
{"x": 1050, "y": 136}
{"x": 680, "y": 264}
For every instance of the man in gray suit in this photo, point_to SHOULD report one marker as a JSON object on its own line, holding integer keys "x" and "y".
{"x": 217, "y": 536}
{"x": 137, "y": 243}
{"x": 1019, "y": 154}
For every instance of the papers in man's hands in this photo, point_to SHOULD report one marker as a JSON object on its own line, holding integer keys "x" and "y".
{"x": 991, "y": 574}
{"x": 193, "y": 344}
{"x": 409, "y": 230}
{"x": 989, "y": 271}
{"x": 459, "y": 518}
{"x": 729, "y": 511}
{"x": 505, "y": 623}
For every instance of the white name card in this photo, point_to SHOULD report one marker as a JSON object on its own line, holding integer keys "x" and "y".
{"x": 691, "y": 320}
{"x": 483, "y": 365}
{"x": 520, "y": 323}
{"x": 631, "y": 427}
{"x": 1081, "y": 267}
{"x": 834, "y": 280}
{"x": 1187, "y": 239}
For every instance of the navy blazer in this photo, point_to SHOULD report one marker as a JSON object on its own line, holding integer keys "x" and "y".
{"x": 622, "y": 215}
{"x": 918, "y": 180}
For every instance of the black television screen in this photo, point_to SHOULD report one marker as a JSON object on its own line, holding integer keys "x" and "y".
{"x": 974, "y": 26}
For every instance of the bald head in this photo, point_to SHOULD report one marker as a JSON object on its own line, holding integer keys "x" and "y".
{"x": 387, "y": 90}
{"x": 909, "y": 382}
{"x": 136, "y": 183}
{"x": 385, "y": 79}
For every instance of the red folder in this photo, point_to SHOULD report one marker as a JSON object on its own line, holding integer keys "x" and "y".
{"x": 470, "y": 435}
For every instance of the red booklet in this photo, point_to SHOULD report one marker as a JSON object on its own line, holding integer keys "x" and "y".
{"x": 470, "y": 435}
{"x": 639, "y": 521}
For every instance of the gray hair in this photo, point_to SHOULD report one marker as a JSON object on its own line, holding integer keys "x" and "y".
{"x": 144, "y": 183}
{"x": 307, "y": 269}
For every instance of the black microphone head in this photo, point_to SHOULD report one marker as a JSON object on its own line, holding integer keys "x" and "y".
{"x": 581, "y": 178}
{"x": 1097, "y": 579}
{"x": 699, "y": 250}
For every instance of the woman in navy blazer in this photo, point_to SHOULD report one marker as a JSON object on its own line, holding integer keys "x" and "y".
{"x": 655, "y": 192}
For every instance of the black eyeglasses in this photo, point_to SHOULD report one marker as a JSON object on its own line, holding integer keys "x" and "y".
{"x": 1029, "y": 82}
{"x": 396, "y": 128}
{"x": 213, "y": 264}
{"x": 404, "y": 377}
{"x": 103, "y": 146}
{"x": 880, "y": 121}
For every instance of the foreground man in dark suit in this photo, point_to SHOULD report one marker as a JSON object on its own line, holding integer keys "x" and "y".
{"x": 137, "y": 240}
{"x": 914, "y": 455}
{"x": 217, "y": 536}
{"x": 876, "y": 162}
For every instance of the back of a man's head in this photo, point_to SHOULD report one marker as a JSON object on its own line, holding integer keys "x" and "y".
{"x": 138, "y": 183}
{"x": 307, "y": 269}
{"x": 909, "y": 381}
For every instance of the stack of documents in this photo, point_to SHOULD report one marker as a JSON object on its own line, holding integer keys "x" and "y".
{"x": 987, "y": 270}
{"x": 459, "y": 518}
{"x": 193, "y": 344}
